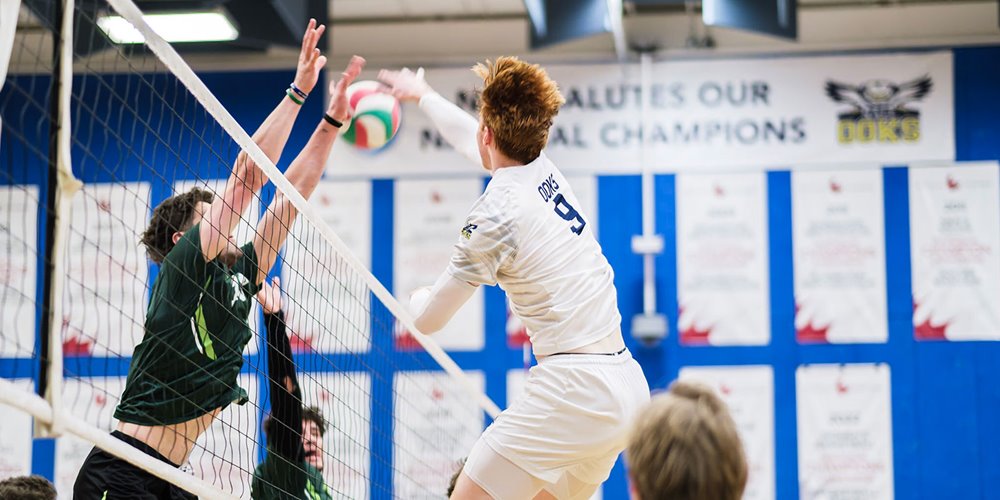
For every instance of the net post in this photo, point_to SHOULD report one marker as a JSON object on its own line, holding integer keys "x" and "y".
{"x": 62, "y": 185}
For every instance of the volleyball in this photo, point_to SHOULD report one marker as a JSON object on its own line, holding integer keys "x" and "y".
{"x": 376, "y": 116}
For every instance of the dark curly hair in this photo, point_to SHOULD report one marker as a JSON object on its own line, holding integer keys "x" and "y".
{"x": 311, "y": 413}
{"x": 27, "y": 488}
{"x": 172, "y": 215}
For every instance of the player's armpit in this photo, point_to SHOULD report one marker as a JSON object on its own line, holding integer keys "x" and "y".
{"x": 435, "y": 307}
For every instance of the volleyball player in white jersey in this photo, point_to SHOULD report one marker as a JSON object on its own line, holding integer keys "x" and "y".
{"x": 527, "y": 233}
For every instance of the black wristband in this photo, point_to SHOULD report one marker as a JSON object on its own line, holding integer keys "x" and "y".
{"x": 332, "y": 121}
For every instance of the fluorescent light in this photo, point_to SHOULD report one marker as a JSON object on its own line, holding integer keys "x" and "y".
{"x": 173, "y": 27}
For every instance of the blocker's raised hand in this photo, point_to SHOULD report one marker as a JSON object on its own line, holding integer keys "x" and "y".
{"x": 269, "y": 296}
{"x": 311, "y": 59}
{"x": 340, "y": 109}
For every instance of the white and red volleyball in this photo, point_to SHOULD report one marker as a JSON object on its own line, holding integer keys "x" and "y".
{"x": 376, "y": 116}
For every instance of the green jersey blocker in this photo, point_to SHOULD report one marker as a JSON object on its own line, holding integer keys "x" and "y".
{"x": 195, "y": 331}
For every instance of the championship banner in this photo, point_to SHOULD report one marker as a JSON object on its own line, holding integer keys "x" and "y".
{"x": 345, "y": 401}
{"x": 107, "y": 271}
{"x": 844, "y": 432}
{"x": 442, "y": 424}
{"x": 429, "y": 218}
{"x": 93, "y": 400}
{"x": 15, "y": 437}
{"x": 228, "y": 449}
{"x": 955, "y": 252}
{"x": 722, "y": 260}
{"x": 585, "y": 189}
{"x": 243, "y": 233}
{"x": 747, "y": 114}
{"x": 315, "y": 274}
{"x": 18, "y": 268}
{"x": 748, "y": 391}
{"x": 838, "y": 237}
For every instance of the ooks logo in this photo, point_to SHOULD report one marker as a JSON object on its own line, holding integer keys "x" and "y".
{"x": 879, "y": 110}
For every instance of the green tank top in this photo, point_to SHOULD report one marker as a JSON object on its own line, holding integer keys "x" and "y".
{"x": 195, "y": 331}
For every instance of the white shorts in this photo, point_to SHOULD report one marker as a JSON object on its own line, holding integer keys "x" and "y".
{"x": 570, "y": 425}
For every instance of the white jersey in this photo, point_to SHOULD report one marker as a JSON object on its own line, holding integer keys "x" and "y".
{"x": 527, "y": 233}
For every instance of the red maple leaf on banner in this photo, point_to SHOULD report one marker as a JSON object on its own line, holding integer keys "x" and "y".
{"x": 928, "y": 330}
{"x": 104, "y": 205}
{"x": 718, "y": 191}
{"x": 325, "y": 200}
{"x": 835, "y": 186}
{"x": 518, "y": 339}
{"x": 841, "y": 387}
{"x": 725, "y": 389}
{"x": 301, "y": 344}
{"x": 693, "y": 336}
{"x": 100, "y": 400}
{"x": 77, "y": 346}
{"x": 404, "y": 341}
{"x": 437, "y": 394}
{"x": 952, "y": 183}
{"x": 517, "y": 336}
{"x": 324, "y": 395}
{"x": 810, "y": 333}
{"x": 435, "y": 197}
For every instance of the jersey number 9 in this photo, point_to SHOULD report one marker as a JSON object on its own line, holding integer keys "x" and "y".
{"x": 567, "y": 212}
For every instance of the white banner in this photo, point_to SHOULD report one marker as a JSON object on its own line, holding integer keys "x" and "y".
{"x": 722, "y": 260}
{"x": 18, "y": 268}
{"x": 749, "y": 113}
{"x": 429, "y": 216}
{"x": 107, "y": 271}
{"x": 437, "y": 423}
{"x": 15, "y": 437}
{"x": 93, "y": 400}
{"x": 243, "y": 233}
{"x": 748, "y": 391}
{"x": 326, "y": 305}
{"x": 585, "y": 188}
{"x": 955, "y": 252}
{"x": 844, "y": 432}
{"x": 345, "y": 401}
{"x": 838, "y": 236}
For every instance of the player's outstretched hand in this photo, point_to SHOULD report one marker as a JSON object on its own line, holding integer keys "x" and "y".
{"x": 311, "y": 60}
{"x": 340, "y": 109}
{"x": 405, "y": 85}
{"x": 269, "y": 296}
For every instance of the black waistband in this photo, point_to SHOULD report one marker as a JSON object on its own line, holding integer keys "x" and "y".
{"x": 143, "y": 447}
{"x": 591, "y": 353}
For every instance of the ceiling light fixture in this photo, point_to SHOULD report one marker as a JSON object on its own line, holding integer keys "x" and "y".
{"x": 179, "y": 27}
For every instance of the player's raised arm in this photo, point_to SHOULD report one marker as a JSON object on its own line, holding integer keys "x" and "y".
{"x": 247, "y": 179}
{"x": 455, "y": 125}
{"x": 285, "y": 430}
{"x": 304, "y": 173}
{"x": 486, "y": 244}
